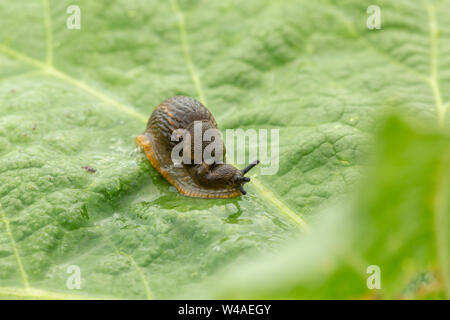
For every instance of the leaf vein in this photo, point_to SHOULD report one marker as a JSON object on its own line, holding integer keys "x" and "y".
{"x": 23, "y": 274}
{"x": 434, "y": 52}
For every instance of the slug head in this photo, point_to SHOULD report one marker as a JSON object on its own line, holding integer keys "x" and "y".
{"x": 223, "y": 176}
{"x": 238, "y": 179}
{"x": 239, "y": 176}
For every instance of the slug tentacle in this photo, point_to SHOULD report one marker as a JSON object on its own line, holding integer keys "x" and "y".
{"x": 249, "y": 167}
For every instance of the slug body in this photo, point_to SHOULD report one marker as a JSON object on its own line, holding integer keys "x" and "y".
{"x": 201, "y": 180}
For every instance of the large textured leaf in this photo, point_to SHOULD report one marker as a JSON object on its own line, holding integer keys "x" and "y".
{"x": 73, "y": 98}
{"x": 399, "y": 224}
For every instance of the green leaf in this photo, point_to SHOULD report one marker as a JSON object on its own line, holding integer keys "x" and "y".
{"x": 398, "y": 221}
{"x": 76, "y": 98}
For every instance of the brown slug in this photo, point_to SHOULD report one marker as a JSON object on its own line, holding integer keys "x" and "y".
{"x": 201, "y": 180}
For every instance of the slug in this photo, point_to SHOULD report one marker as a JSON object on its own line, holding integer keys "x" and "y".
{"x": 201, "y": 180}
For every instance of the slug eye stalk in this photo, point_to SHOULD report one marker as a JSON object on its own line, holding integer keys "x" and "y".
{"x": 249, "y": 167}
{"x": 246, "y": 179}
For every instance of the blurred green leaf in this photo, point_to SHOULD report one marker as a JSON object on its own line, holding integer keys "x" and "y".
{"x": 398, "y": 220}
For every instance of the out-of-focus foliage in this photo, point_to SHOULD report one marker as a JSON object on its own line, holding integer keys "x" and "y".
{"x": 398, "y": 220}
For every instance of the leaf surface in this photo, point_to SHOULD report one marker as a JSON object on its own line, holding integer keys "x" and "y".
{"x": 76, "y": 98}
